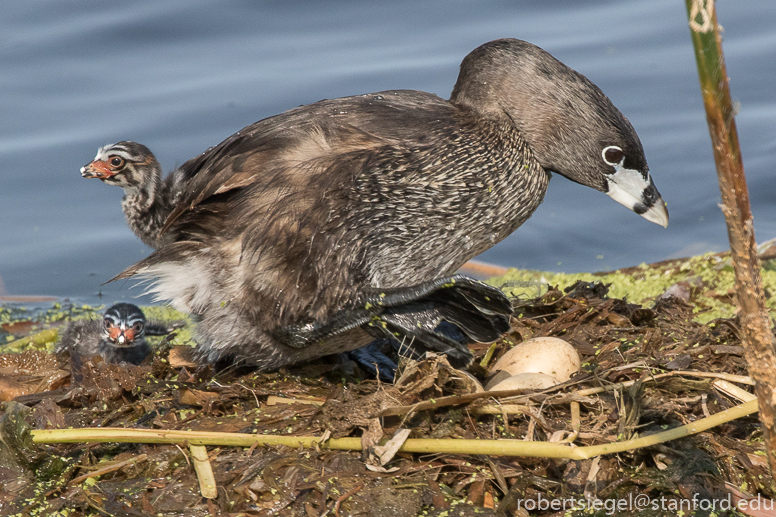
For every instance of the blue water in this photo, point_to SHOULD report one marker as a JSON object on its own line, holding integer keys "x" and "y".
{"x": 180, "y": 76}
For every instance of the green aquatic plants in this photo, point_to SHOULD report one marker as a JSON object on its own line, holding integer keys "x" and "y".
{"x": 711, "y": 277}
{"x": 46, "y": 323}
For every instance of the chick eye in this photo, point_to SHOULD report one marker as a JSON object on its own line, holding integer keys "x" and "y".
{"x": 108, "y": 324}
{"x": 613, "y": 155}
{"x": 137, "y": 327}
{"x": 117, "y": 161}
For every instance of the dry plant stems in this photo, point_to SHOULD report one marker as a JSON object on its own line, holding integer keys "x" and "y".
{"x": 576, "y": 423}
{"x": 437, "y": 446}
{"x": 499, "y": 409}
{"x": 519, "y": 394}
{"x": 731, "y": 390}
{"x": 274, "y": 400}
{"x": 758, "y": 340}
{"x": 108, "y": 469}
{"x": 207, "y": 483}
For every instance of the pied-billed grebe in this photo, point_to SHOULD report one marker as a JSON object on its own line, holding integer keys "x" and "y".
{"x": 313, "y": 231}
{"x": 119, "y": 337}
{"x": 148, "y": 199}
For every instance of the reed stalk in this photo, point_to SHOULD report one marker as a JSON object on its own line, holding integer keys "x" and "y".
{"x": 758, "y": 340}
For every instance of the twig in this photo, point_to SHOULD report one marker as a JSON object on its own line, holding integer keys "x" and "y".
{"x": 207, "y": 483}
{"x": 418, "y": 445}
{"x": 497, "y": 409}
{"x": 454, "y": 400}
{"x": 576, "y": 423}
{"x": 500, "y": 409}
{"x": 110, "y": 468}
{"x": 273, "y": 400}
{"x": 344, "y": 497}
{"x": 731, "y": 390}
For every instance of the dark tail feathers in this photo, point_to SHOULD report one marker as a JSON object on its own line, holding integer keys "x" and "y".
{"x": 414, "y": 316}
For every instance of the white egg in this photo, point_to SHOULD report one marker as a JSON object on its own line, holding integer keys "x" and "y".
{"x": 526, "y": 381}
{"x": 548, "y": 355}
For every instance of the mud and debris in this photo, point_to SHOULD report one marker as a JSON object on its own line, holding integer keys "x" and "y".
{"x": 618, "y": 338}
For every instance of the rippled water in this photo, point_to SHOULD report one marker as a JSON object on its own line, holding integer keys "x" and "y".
{"x": 180, "y": 76}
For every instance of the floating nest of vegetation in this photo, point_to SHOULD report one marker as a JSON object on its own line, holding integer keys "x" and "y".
{"x": 665, "y": 360}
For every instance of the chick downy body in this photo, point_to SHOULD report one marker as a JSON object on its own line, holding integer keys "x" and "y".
{"x": 118, "y": 337}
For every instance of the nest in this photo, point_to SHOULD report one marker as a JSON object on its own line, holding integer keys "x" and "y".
{"x": 645, "y": 370}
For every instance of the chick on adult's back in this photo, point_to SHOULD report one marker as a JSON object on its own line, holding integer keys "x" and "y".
{"x": 148, "y": 199}
{"x": 315, "y": 230}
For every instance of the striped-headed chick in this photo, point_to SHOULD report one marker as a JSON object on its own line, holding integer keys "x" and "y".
{"x": 118, "y": 338}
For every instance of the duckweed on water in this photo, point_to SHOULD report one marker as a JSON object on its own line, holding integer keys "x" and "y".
{"x": 712, "y": 273}
{"x": 166, "y": 313}
{"x": 58, "y": 313}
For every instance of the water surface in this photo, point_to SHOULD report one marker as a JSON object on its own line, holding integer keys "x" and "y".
{"x": 181, "y": 76}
